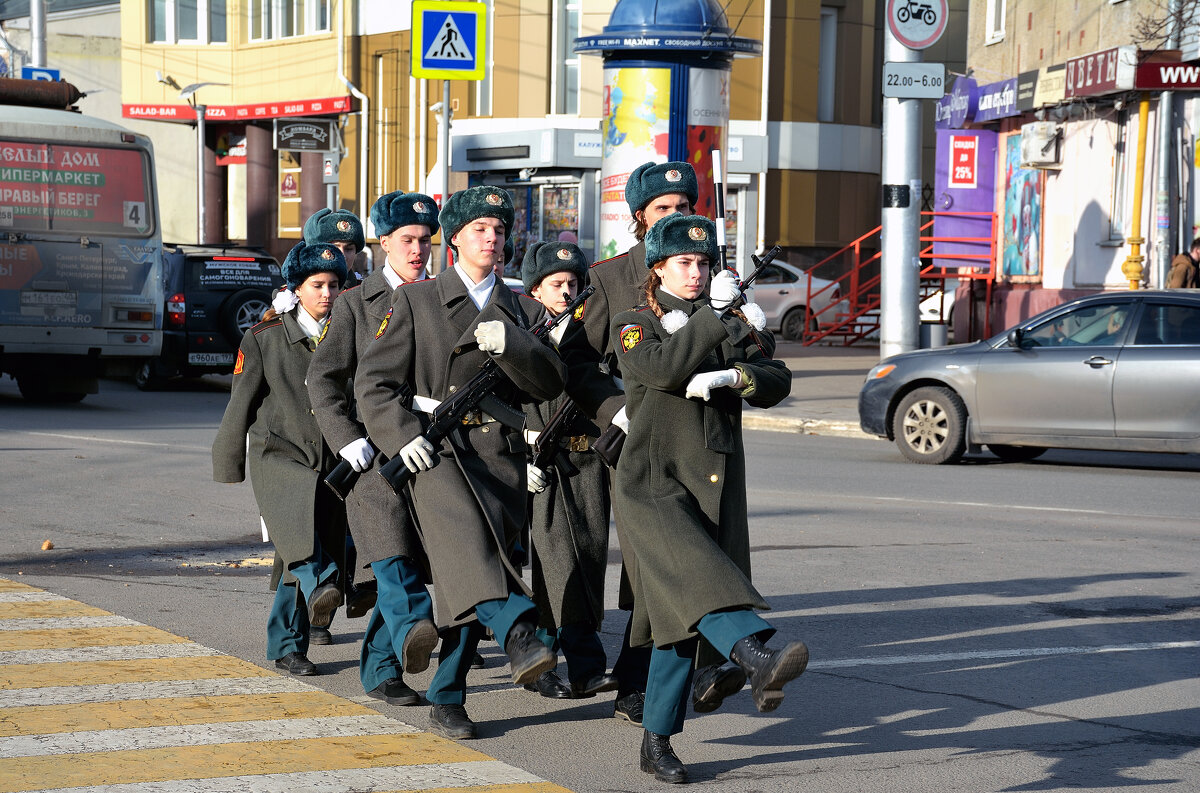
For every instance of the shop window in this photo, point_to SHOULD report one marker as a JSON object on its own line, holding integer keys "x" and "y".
{"x": 827, "y": 68}
{"x": 566, "y": 62}
{"x": 1118, "y": 211}
{"x": 994, "y": 21}
{"x": 281, "y": 19}
{"x": 187, "y": 21}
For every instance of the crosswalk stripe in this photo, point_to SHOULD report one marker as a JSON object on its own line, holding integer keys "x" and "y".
{"x": 8, "y": 585}
{"x": 59, "y": 623}
{"x": 31, "y": 596}
{"x": 44, "y": 719}
{"x": 163, "y": 736}
{"x": 229, "y": 759}
{"x": 220, "y": 687}
{"x": 55, "y": 639}
{"x": 490, "y": 775}
{"x": 90, "y": 654}
{"x": 128, "y": 670}
{"x": 27, "y": 608}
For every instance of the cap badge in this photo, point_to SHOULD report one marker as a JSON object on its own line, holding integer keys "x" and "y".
{"x": 493, "y": 199}
{"x": 673, "y": 175}
{"x": 564, "y": 254}
{"x": 697, "y": 233}
{"x": 343, "y": 225}
{"x": 327, "y": 255}
{"x": 420, "y": 207}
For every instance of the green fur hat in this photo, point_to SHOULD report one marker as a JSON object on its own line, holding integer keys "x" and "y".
{"x": 676, "y": 234}
{"x": 326, "y": 225}
{"x": 484, "y": 201}
{"x": 307, "y": 260}
{"x": 652, "y": 179}
{"x": 546, "y": 258}
{"x": 399, "y": 209}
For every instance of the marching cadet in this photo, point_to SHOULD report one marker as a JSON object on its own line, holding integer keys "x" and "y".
{"x": 568, "y": 514}
{"x": 681, "y": 484}
{"x": 287, "y": 456}
{"x": 470, "y": 508}
{"x": 401, "y": 626}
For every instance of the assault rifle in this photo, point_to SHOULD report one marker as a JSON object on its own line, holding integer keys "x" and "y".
{"x": 549, "y": 441}
{"x": 451, "y": 411}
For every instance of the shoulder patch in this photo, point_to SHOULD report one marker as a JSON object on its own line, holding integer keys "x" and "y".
{"x": 241, "y": 362}
{"x": 631, "y": 336}
{"x": 383, "y": 325}
{"x": 578, "y": 315}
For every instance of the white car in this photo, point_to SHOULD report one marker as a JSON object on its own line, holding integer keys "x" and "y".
{"x": 783, "y": 292}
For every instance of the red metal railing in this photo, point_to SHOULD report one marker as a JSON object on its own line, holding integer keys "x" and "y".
{"x": 855, "y": 276}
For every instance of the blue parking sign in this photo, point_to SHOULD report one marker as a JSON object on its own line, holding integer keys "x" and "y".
{"x": 40, "y": 73}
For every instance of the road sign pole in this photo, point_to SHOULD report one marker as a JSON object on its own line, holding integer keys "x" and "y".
{"x": 901, "y": 214}
{"x": 200, "y": 215}
{"x": 444, "y": 145}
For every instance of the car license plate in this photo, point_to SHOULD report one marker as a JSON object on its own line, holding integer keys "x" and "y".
{"x": 210, "y": 358}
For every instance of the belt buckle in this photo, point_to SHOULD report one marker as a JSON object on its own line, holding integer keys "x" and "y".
{"x": 473, "y": 418}
{"x": 578, "y": 443}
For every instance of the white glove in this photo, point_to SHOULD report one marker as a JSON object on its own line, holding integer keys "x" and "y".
{"x": 621, "y": 419}
{"x": 358, "y": 453}
{"x": 536, "y": 478}
{"x": 702, "y": 384}
{"x": 723, "y": 290}
{"x": 417, "y": 454}
{"x": 490, "y": 336}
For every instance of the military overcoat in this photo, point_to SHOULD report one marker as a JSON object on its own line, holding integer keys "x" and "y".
{"x": 470, "y": 508}
{"x": 681, "y": 484}
{"x": 287, "y": 457}
{"x": 381, "y": 524}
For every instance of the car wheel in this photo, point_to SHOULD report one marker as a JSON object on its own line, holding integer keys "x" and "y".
{"x": 930, "y": 426}
{"x": 243, "y": 311}
{"x": 1016, "y": 454}
{"x": 792, "y": 328}
{"x": 149, "y": 376}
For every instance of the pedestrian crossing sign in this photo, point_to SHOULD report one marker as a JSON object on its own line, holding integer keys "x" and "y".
{"x": 449, "y": 39}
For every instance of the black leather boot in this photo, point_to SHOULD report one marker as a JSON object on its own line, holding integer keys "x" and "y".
{"x": 527, "y": 656}
{"x": 659, "y": 758}
{"x": 714, "y": 683}
{"x": 769, "y": 669}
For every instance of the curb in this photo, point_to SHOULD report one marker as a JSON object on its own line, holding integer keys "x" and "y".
{"x": 803, "y": 426}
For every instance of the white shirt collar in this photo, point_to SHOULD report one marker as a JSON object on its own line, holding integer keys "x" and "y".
{"x": 308, "y": 324}
{"x": 478, "y": 292}
{"x": 393, "y": 278}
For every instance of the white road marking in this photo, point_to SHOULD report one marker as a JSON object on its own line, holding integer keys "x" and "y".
{"x": 985, "y": 655}
{"x": 139, "y": 738}
{"x": 359, "y": 780}
{"x": 114, "y": 653}
{"x": 107, "y": 441}
{"x": 29, "y": 597}
{"x": 64, "y": 623}
{"x": 160, "y": 689}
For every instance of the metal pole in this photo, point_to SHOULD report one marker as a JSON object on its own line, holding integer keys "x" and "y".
{"x": 1132, "y": 268}
{"x": 899, "y": 329}
{"x": 444, "y": 158}
{"x": 200, "y": 109}
{"x": 37, "y": 32}
{"x": 1162, "y": 191}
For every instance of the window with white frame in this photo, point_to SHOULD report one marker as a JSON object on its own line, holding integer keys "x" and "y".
{"x": 281, "y": 19}
{"x": 566, "y": 61}
{"x": 187, "y": 22}
{"x": 1118, "y": 213}
{"x": 994, "y": 21}
{"x": 827, "y": 65}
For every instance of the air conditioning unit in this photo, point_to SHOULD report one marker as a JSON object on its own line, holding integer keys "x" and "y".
{"x": 1041, "y": 145}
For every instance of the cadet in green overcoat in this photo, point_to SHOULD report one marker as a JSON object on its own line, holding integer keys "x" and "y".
{"x": 568, "y": 514}
{"x": 687, "y": 364}
{"x": 287, "y": 457}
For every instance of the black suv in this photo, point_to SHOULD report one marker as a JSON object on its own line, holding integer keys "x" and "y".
{"x": 214, "y": 295}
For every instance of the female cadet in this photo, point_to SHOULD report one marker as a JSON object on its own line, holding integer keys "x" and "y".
{"x": 681, "y": 485}
{"x": 568, "y": 514}
{"x": 401, "y": 626}
{"x": 287, "y": 456}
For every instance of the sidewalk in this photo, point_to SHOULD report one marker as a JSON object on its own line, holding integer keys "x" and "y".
{"x": 825, "y": 386}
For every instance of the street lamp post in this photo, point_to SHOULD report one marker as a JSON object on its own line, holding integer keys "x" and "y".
{"x": 200, "y": 230}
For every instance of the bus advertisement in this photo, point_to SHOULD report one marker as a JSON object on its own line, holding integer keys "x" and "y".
{"x": 81, "y": 278}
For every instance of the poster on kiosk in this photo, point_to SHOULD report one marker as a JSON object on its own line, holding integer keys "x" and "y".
{"x": 964, "y": 183}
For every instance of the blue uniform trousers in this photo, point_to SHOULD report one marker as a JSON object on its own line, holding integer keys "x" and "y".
{"x": 581, "y": 648}
{"x": 449, "y": 684}
{"x": 401, "y": 602}
{"x": 671, "y": 668}
{"x": 632, "y": 666}
{"x": 287, "y": 624}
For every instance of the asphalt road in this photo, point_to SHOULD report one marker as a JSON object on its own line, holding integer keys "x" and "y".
{"x": 981, "y": 627}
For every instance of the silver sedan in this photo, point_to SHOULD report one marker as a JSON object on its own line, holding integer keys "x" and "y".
{"x": 1117, "y": 371}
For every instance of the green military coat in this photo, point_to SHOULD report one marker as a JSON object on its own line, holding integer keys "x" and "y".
{"x": 681, "y": 485}
{"x": 287, "y": 457}
{"x": 381, "y": 524}
{"x": 471, "y": 507}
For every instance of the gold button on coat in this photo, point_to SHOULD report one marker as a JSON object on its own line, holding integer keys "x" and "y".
{"x": 713, "y": 478}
